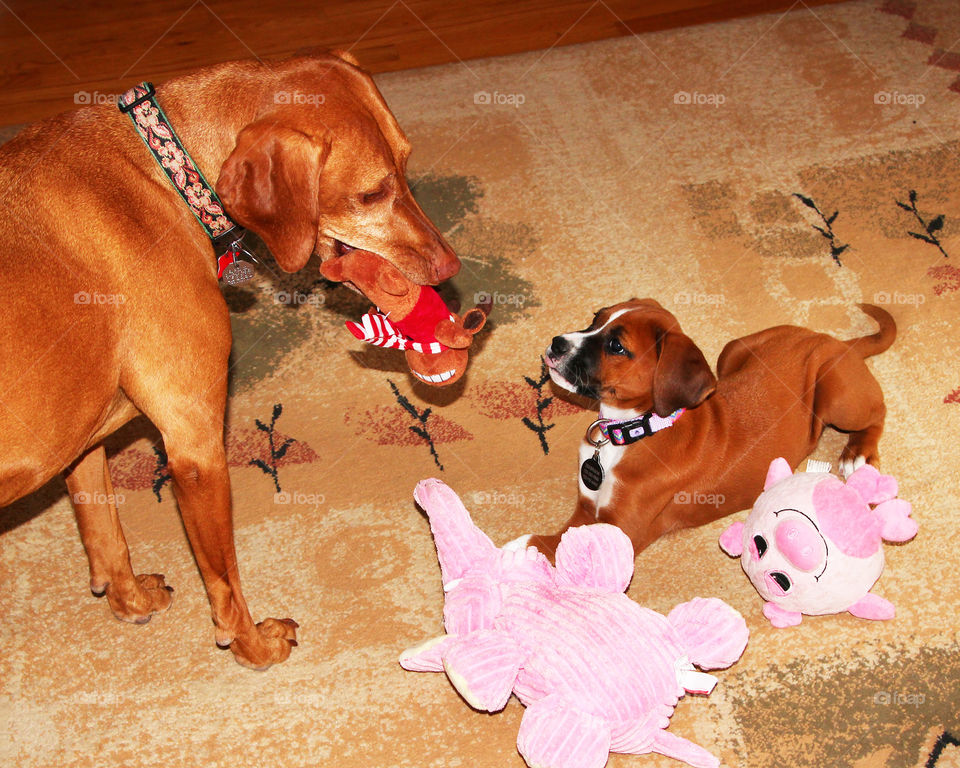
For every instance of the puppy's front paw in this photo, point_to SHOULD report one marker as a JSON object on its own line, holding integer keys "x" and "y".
{"x": 137, "y": 601}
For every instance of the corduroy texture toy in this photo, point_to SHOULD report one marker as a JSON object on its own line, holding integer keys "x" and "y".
{"x": 409, "y": 317}
{"x": 813, "y": 544}
{"x": 596, "y": 671}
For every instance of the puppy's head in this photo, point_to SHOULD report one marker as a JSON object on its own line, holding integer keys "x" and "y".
{"x": 633, "y": 356}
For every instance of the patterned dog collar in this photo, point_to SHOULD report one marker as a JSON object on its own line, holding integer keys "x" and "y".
{"x": 627, "y": 431}
{"x": 140, "y": 104}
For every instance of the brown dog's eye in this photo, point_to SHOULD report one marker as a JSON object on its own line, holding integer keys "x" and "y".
{"x": 372, "y": 197}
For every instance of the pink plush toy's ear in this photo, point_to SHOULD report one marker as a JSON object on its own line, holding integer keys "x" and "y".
{"x": 598, "y": 556}
{"x": 779, "y": 470}
{"x": 731, "y": 540}
{"x": 713, "y": 634}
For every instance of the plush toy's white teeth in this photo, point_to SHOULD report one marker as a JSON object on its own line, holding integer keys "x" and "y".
{"x": 437, "y": 378}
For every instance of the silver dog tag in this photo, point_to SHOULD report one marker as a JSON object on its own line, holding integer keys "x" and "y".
{"x": 238, "y": 272}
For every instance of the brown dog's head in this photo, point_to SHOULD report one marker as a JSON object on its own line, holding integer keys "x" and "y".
{"x": 322, "y": 169}
{"x": 633, "y": 356}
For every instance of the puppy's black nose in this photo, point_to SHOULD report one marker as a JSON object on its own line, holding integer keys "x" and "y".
{"x": 559, "y": 346}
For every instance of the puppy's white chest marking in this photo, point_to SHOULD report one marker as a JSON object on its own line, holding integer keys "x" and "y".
{"x": 610, "y": 455}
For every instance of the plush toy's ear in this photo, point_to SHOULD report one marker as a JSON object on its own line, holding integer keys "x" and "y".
{"x": 683, "y": 378}
{"x": 391, "y": 281}
{"x": 333, "y": 270}
{"x": 731, "y": 540}
{"x": 779, "y": 470}
{"x": 713, "y": 634}
{"x": 599, "y": 556}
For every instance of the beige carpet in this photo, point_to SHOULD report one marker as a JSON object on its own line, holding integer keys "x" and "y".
{"x": 671, "y": 165}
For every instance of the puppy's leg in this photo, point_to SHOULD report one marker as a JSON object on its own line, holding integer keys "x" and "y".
{"x": 131, "y": 598}
{"x": 849, "y": 399}
{"x": 585, "y": 514}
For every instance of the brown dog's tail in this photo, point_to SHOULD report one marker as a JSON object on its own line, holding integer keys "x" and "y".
{"x": 874, "y": 344}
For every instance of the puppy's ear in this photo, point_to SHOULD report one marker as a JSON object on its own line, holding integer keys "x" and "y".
{"x": 270, "y": 184}
{"x": 683, "y": 378}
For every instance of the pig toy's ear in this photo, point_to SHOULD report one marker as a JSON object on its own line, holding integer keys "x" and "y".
{"x": 731, "y": 540}
{"x": 779, "y": 470}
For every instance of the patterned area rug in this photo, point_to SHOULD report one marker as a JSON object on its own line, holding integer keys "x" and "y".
{"x": 777, "y": 169}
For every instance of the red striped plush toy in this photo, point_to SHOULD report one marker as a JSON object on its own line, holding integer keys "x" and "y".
{"x": 409, "y": 317}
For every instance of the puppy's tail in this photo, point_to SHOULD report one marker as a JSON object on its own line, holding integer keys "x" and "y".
{"x": 874, "y": 344}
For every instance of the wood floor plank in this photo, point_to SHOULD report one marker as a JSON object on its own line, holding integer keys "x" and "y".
{"x": 54, "y": 54}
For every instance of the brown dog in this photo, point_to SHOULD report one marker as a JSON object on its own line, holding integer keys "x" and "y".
{"x": 111, "y": 306}
{"x": 663, "y": 470}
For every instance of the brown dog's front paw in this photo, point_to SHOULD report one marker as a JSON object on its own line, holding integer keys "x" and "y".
{"x": 138, "y": 601}
{"x": 270, "y": 642}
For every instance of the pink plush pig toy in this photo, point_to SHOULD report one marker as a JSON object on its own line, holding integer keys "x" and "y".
{"x": 813, "y": 544}
{"x": 596, "y": 671}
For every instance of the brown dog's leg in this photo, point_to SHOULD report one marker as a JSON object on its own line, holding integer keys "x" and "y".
{"x": 849, "y": 399}
{"x": 198, "y": 465}
{"x": 131, "y": 598}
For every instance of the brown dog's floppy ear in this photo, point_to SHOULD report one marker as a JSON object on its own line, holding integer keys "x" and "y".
{"x": 683, "y": 378}
{"x": 270, "y": 184}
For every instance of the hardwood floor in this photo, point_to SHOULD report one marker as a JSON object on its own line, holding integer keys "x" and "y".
{"x": 56, "y": 53}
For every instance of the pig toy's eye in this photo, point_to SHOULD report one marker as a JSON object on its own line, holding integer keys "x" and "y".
{"x": 783, "y": 581}
{"x": 761, "y": 544}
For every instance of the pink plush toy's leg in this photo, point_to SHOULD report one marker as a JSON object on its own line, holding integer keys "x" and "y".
{"x": 554, "y": 735}
{"x": 680, "y": 748}
{"x": 781, "y": 617}
{"x": 483, "y": 667}
{"x": 872, "y": 606}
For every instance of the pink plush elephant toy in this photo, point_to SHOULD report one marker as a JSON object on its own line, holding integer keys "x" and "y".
{"x": 813, "y": 544}
{"x": 596, "y": 671}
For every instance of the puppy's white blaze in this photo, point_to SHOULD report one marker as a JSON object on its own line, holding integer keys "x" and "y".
{"x": 576, "y": 338}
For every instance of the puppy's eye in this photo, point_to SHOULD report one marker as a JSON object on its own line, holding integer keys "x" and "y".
{"x": 614, "y": 347}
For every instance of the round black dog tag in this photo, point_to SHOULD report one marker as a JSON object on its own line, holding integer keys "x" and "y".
{"x": 592, "y": 473}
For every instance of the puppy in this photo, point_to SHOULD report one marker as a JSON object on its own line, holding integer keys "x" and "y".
{"x": 675, "y": 446}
